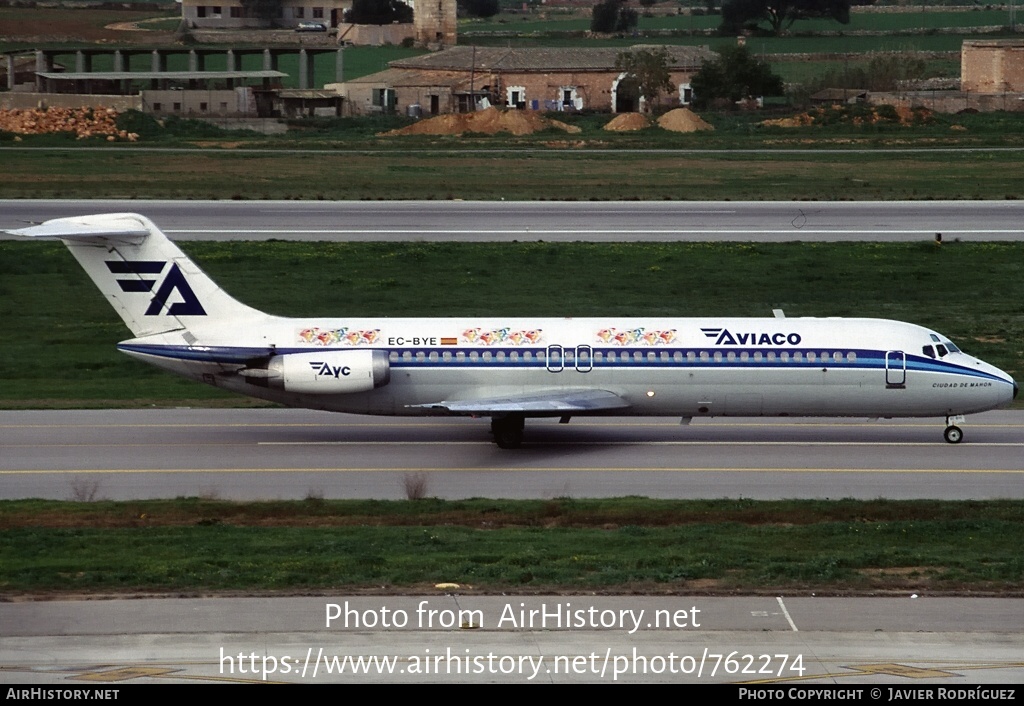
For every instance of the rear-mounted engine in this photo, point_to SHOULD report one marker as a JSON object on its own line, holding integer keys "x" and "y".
{"x": 323, "y": 372}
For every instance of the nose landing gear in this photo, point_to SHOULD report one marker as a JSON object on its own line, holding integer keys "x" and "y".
{"x": 953, "y": 433}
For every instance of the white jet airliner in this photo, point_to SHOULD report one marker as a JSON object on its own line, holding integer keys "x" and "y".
{"x": 510, "y": 369}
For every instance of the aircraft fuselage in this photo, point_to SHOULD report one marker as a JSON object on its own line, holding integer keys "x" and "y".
{"x": 676, "y": 367}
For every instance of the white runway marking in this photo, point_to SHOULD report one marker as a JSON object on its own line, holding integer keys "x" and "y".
{"x": 786, "y": 613}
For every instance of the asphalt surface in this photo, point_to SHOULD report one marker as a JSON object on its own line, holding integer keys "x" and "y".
{"x": 551, "y": 221}
{"x": 455, "y": 637}
{"x": 252, "y": 454}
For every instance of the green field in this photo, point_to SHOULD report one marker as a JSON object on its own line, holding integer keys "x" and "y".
{"x": 929, "y": 20}
{"x": 564, "y": 544}
{"x": 61, "y": 333}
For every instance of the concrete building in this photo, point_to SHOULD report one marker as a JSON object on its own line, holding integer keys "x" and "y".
{"x": 992, "y": 66}
{"x": 458, "y": 79}
{"x": 433, "y": 25}
{"x": 230, "y": 14}
{"x": 141, "y": 80}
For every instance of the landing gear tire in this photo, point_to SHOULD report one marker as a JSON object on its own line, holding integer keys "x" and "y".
{"x": 508, "y": 431}
{"x": 953, "y": 435}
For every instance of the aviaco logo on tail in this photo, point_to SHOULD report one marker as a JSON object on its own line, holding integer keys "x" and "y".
{"x": 725, "y": 337}
{"x": 325, "y": 369}
{"x": 174, "y": 281}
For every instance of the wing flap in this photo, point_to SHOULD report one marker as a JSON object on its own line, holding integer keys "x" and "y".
{"x": 538, "y": 403}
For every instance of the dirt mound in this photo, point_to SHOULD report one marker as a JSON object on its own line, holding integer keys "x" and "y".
{"x": 795, "y": 121}
{"x": 626, "y": 122}
{"x": 683, "y": 120}
{"x": 84, "y": 122}
{"x": 489, "y": 122}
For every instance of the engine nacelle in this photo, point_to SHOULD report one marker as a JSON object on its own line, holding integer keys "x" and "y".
{"x": 329, "y": 372}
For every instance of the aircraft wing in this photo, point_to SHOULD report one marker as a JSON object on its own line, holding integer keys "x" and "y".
{"x": 551, "y": 402}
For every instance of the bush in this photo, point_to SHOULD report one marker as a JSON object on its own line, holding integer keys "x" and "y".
{"x": 144, "y": 125}
{"x": 734, "y": 76}
{"x": 149, "y": 128}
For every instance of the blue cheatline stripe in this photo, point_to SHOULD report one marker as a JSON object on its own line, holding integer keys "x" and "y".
{"x": 199, "y": 354}
{"x": 865, "y": 359}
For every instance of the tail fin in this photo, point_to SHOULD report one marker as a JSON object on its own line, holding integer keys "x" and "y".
{"x": 145, "y": 277}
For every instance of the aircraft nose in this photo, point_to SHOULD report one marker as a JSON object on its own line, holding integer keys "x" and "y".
{"x": 1016, "y": 389}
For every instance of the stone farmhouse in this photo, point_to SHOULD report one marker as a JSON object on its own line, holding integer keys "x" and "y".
{"x": 461, "y": 79}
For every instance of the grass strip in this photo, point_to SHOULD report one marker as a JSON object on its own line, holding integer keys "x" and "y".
{"x": 553, "y": 175}
{"x": 613, "y": 545}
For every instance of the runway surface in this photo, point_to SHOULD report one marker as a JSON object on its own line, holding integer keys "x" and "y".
{"x": 278, "y": 453}
{"x": 550, "y": 220}
{"x": 792, "y": 642}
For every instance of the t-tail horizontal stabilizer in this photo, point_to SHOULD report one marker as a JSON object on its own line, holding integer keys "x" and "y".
{"x": 114, "y": 227}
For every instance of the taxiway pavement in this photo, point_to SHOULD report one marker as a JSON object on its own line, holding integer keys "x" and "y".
{"x": 664, "y": 221}
{"x": 792, "y": 642}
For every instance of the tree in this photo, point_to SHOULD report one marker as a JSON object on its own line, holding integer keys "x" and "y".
{"x": 649, "y": 69}
{"x": 613, "y": 16}
{"x": 734, "y": 76}
{"x": 479, "y": 8}
{"x": 780, "y": 14}
{"x": 378, "y": 12}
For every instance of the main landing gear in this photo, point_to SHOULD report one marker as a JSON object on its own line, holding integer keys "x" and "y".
{"x": 953, "y": 433}
{"x": 508, "y": 430}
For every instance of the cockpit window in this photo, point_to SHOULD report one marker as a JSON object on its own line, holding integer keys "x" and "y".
{"x": 928, "y": 351}
{"x": 943, "y": 346}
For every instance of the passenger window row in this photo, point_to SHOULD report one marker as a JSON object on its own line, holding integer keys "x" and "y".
{"x": 568, "y": 355}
